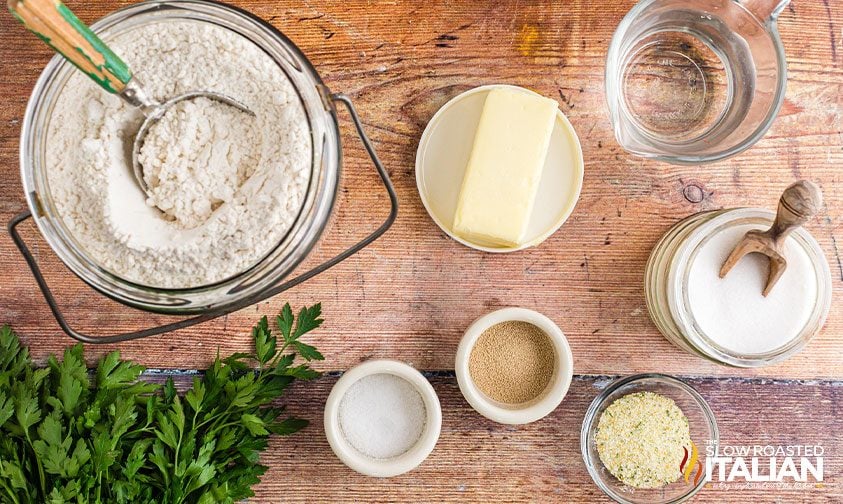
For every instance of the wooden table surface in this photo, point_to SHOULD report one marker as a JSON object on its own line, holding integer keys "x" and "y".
{"x": 411, "y": 294}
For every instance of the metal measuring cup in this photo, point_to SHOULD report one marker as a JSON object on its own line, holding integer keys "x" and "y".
{"x": 695, "y": 81}
{"x": 56, "y": 25}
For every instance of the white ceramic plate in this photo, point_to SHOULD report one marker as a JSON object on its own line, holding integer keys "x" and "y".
{"x": 443, "y": 155}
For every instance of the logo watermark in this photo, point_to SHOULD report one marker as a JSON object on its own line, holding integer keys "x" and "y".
{"x": 687, "y": 467}
{"x": 764, "y": 466}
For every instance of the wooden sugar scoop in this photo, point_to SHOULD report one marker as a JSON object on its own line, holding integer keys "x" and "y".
{"x": 799, "y": 202}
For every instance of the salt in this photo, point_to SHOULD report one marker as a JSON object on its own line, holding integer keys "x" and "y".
{"x": 382, "y": 415}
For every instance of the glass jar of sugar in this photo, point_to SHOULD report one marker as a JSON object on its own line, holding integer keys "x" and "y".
{"x": 728, "y": 320}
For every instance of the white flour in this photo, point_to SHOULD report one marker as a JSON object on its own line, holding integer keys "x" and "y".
{"x": 234, "y": 190}
{"x": 196, "y": 157}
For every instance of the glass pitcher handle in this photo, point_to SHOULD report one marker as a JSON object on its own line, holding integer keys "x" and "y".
{"x": 765, "y": 10}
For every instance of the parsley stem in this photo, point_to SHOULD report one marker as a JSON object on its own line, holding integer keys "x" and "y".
{"x": 10, "y": 493}
{"x": 37, "y": 463}
{"x": 129, "y": 434}
{"x": 215, "y": 419}
{"x": 178, "y": 447}
{"x": 229, "y": 424}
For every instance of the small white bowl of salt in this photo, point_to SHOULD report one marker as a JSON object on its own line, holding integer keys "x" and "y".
{"x": 382, "y": 418}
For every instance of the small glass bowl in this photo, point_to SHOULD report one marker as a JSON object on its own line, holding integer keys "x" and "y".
{"x": 704, "y": 434}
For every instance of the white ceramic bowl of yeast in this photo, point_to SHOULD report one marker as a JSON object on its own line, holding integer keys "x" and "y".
{"x": 553, "y": 393}
{"x": 443, "y": 154}
{"x": 410, "y": 459}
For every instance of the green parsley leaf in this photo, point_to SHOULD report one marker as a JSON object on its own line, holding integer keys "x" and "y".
{"x": 265, "y": 343}
{"x": 69, "y": 436}
{"x": 27, "y": 411}
{"x": 308, "y": 320}
{"x": 253, "y": 424}
{"x": 288, "y": 426}
{"x": 196, "y": 395}
{"x": 7, "y": 408}
{"x": 308, "y": 352}
{"x": 285, "y": 322}
{"x": 302, "y": 372}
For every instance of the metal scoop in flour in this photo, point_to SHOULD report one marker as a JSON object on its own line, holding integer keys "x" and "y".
{"x": 56, "y": 25}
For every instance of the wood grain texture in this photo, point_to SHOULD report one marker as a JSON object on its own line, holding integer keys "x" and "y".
{"x": 477, "y": 460}
{"x": 411, "y": 294}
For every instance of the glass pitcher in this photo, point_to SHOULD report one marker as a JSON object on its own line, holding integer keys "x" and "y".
{"x": 695, "y": 81}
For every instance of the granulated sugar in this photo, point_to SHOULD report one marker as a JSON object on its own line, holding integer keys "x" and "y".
{"x": 382, "y": 415}
{"x": 242, "y": 185}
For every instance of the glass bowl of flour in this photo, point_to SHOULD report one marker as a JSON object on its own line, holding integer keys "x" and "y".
{"x": 203, "y": 240}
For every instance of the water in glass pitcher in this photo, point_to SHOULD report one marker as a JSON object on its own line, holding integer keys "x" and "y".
{"x": 685, "y": 76}
{"x": 693, "y": 80}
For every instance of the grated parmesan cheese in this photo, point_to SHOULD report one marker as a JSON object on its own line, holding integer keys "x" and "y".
{"x": 641, "y": 439}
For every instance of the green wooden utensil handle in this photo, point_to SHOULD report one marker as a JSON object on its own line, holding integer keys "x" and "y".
{"x": 56, "y": 25}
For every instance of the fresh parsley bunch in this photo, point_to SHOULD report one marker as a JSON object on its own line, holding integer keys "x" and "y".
{"x": 69, "y": 436}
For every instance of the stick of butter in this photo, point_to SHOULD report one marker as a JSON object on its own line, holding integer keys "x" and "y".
{"x": 502, "y": 177}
